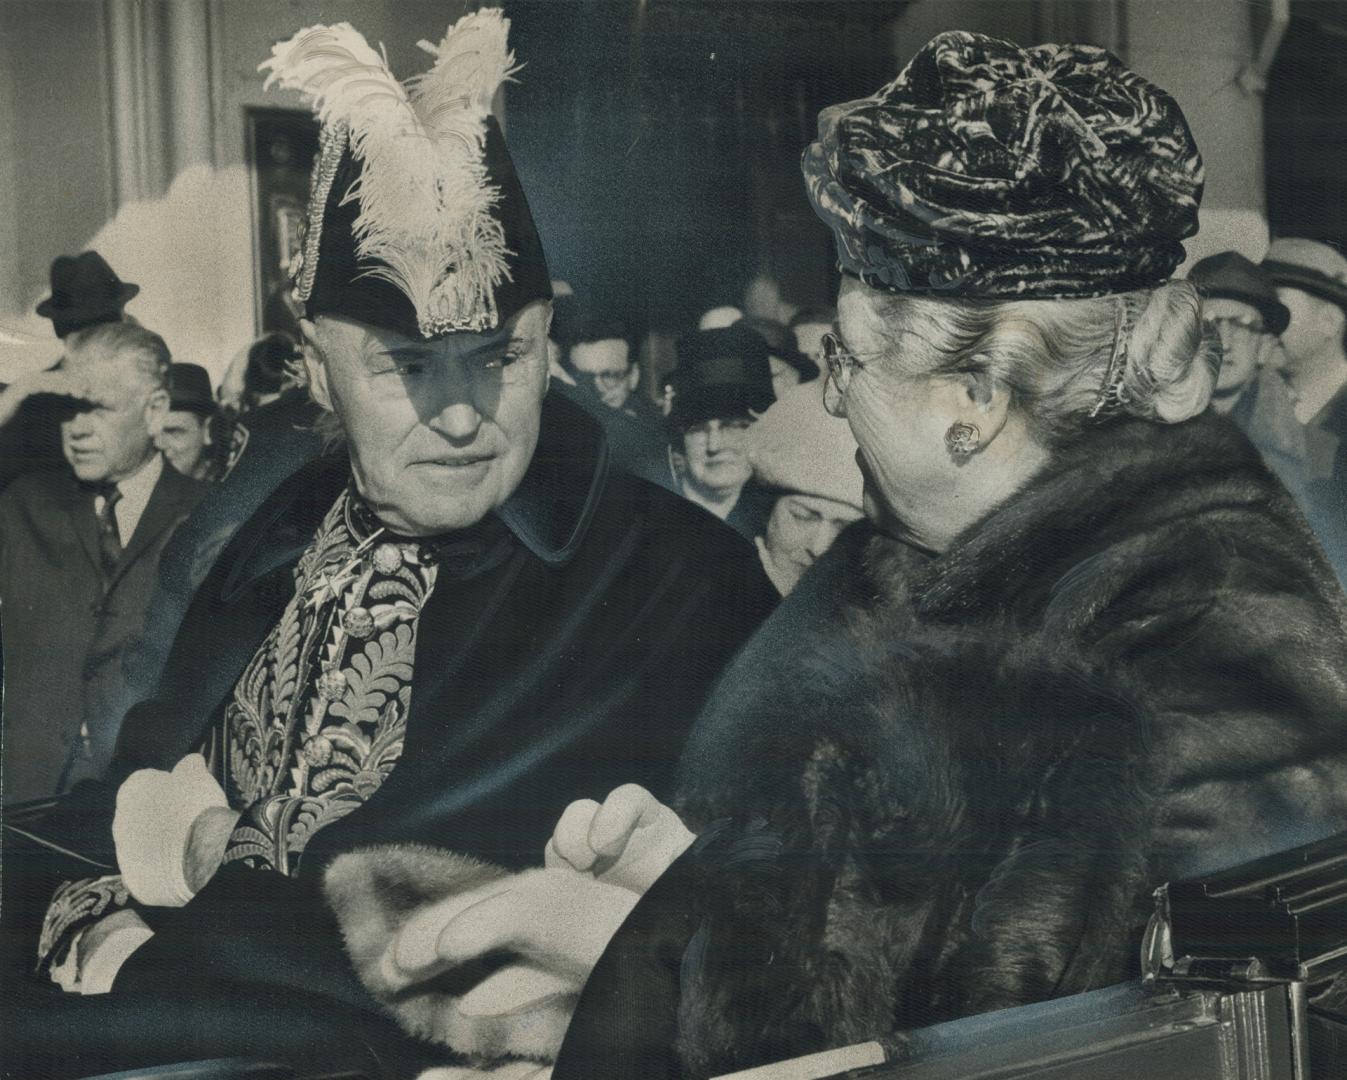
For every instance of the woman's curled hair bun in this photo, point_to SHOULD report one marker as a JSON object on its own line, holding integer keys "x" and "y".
{"x": 1173, "y": 356}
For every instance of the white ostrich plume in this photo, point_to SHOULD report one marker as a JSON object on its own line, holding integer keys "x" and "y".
{"x": 426, "y": 201}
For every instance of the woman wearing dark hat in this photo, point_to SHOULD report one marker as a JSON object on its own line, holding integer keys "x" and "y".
{"x": 722, "y": 382}
{"x": 1083, "y": 644}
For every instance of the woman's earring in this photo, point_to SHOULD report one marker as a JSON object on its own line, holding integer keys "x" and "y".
{"x": 962, "y": 438}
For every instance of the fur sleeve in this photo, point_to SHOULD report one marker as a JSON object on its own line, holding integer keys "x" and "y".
{"x": 965, "y": 831}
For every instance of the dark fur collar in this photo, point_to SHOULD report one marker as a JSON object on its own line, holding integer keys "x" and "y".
{"x": 1118, "y": 481}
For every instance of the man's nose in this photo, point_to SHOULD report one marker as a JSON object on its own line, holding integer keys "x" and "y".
{"x": 449, "y": 406}
{"x": 80, "y": 425}
{"x": 458, "y": 420}
{"x": 715, "y": 442}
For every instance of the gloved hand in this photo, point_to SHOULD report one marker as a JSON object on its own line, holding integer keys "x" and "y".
{"x": 557, "y": 920}
{"x": 628, "y": 841}
{"x": 170, "y": 830}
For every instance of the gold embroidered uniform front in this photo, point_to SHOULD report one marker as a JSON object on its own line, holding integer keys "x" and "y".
{"x": 317, "y": 720}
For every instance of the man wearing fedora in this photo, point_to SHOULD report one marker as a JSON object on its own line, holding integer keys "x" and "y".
{"x": 1311, "y": 280}
{"x": 185, "y": 433}
{"x": 79, "y": 554}
{"x": 1240, "y": 300}
{"x": 722, "y": 381}
{"x": 439, "y": 634}
{"x": 85, "y": 292}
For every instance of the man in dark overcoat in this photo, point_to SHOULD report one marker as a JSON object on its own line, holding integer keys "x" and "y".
{"x": 442, "y": 633}
{"x": 79, "y": 555}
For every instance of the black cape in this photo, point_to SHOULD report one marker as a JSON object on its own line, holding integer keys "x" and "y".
{"x": 574, "y": 665}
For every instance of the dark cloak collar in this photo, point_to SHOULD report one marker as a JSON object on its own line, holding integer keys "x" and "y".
{"x": 549, "y": 513}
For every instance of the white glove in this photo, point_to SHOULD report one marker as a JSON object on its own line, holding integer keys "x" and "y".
{"x": 152, "y": 829}
{"x": 558, "y": 921}
{"x": 629, "y": 841}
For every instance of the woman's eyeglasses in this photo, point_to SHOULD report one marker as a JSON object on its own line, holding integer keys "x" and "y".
{"x": 836, "y": 356}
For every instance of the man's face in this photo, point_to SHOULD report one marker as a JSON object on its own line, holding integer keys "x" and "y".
{"x": 440, "y": 432}
{"x": 109, "y": 434}
{"x": 717, "y": 453}
{"x": 183, "y": 437}
{"x": 1245, "y": 345}
{"x": 1315, "y": 330}
{"x": 607, "y": 366}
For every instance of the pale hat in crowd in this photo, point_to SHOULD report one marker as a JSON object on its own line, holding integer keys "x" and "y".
{"x": 797, "y": 446}
{"x": 1308, "y": 265}
{"x": 720, "y": 317}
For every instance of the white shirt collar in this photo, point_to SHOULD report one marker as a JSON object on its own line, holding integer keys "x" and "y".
{"x": 136, "y": 490}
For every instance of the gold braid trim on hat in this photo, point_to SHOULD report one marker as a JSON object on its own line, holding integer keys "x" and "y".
{"x": 331, "y": 144}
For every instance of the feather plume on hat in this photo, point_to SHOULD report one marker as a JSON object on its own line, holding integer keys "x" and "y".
{"x": 424, "y": 193}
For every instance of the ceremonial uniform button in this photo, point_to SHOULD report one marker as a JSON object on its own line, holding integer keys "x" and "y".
{"x": 358, "y": 622}
{"x": 387, "y": 558}
{"x": 318, "y": 751}
{"x": 331, "y": 684}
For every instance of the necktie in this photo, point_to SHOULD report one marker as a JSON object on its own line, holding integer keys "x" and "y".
{"x": 109, "y": 539}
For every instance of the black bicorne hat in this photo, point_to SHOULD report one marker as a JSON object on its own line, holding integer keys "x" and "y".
{"x": 417, "y": 221}
{"x": 341, "y": 283}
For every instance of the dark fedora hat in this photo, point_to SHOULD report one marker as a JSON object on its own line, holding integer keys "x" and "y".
{"x": 720, "y": 373}
{"x": 781, "y": 344}
{"x": 189, "y": 389}
{"x": 85, "y": 291}
{"x": 1231, "y": 276}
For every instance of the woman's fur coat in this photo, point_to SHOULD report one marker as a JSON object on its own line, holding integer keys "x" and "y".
{"x": 935, "y": 786}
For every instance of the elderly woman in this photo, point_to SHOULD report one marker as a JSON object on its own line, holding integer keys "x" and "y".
{"x": 1084, "y": 642}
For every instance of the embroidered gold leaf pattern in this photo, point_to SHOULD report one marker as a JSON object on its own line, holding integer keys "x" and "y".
{"x": 340, "y": 749}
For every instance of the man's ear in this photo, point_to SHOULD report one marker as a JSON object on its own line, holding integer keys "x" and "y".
{"x": 314, "y": 368}
{"x": 156, "y": 410}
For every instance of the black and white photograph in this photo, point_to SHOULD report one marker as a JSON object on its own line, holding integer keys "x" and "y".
{"x": 673, "y": 539}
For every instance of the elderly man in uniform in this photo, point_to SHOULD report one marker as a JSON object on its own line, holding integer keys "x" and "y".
{"x": 441, "y": 634}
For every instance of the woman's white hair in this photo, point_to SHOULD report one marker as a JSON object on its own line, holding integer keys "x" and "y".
{"x": 1055, "y": 356}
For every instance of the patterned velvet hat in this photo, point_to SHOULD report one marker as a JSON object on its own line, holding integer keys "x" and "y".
{"x": 989, "y": 170}
{"x": 416, "y": 220}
